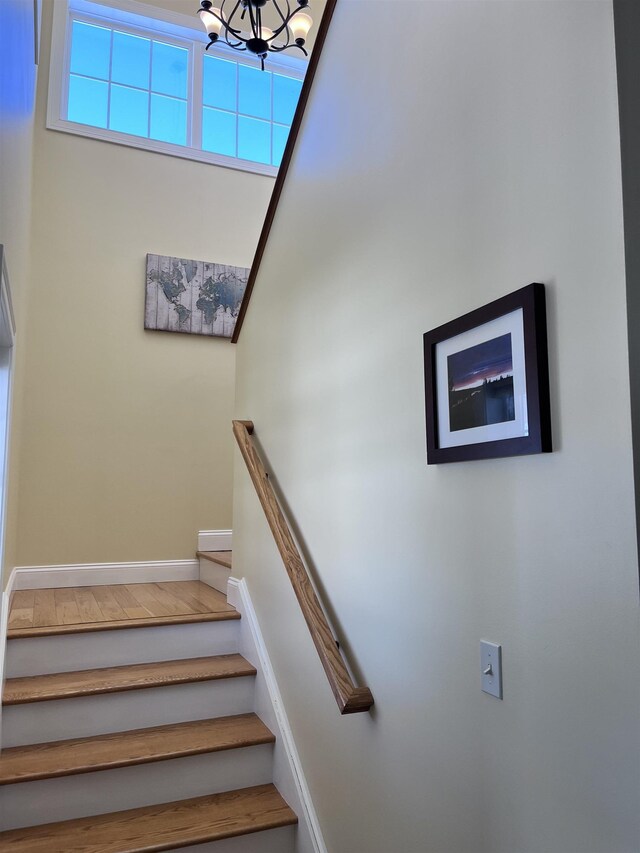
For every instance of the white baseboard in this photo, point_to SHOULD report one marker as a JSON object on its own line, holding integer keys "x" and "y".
{"x": 98, "y": 574}
{"x": 214, "y": 540}
{"x": 4, "y": 627}
{"x": 288, "y": 774}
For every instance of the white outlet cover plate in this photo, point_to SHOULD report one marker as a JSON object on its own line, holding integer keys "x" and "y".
{"x": 491, "y": 659}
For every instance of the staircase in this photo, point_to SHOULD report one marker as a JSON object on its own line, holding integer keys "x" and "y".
{"x": 135, "y": 734}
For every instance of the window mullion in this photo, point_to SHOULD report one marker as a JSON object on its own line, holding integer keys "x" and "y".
{"x": 151, "y": 43}
{"x": 109, "y": 81}
{"x": 195, "y": 106}
{"x": 272, "y": 81}
{"x": 237, "y": 107}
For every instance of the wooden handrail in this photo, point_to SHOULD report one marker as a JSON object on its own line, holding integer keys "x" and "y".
{"x": 350, "y": 699}
{"x": 285, "y": 163}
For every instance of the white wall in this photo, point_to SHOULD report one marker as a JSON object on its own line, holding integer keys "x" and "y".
{"x": 433, "y": 176}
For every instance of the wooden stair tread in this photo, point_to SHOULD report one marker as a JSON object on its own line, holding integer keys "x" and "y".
{"x": 122, "y": 749}
{"x": 64, "y": 685}
{"x": 159, "y": 827}
{"x": 90, "y": 627}
{"x": 72, "y": 610}
{"x": 224, "y": 558}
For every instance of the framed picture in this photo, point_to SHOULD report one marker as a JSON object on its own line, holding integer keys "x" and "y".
{"x": 487, "y": 381}
{"x": 192, "y": 297}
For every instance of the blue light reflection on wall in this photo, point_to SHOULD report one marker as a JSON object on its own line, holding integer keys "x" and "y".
{"x": 17, "y": 71}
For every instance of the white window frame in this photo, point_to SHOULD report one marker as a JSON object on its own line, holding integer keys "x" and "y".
{"x": 139, "y": 19}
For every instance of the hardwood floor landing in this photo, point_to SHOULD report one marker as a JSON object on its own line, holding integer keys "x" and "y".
{"x": 40, "y": 612}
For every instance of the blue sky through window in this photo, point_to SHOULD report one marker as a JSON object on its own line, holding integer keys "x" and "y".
{"x": 254, "y": 139}
{"x": 265, "y": 103}
{"x": 129, "y": 111}
{"x": 91, "y": 50}
{"x": 131, "y": 60}
{"x": 219, "y": 132}
{"x": 168, "y": 119}
{"x": 169, "y": 72}
{"x": 286, "y": 91}
{"x": 88, "y": 101}
{"x": 140, "y": 85}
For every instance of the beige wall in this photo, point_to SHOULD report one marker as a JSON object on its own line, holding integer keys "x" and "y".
{"x": 479, "y": 156}
{"x": 126, "y": 447}
{"x": 17, "y": 91}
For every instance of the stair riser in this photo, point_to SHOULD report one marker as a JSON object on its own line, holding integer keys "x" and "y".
{"x": 61, "y": 719}
{"x": 281, "y": 840}
{"x": 214, "y": 575}
{"x": 65, "y": 798}
{"x": 69, "y": 652}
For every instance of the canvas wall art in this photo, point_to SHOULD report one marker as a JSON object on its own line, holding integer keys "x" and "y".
{"x": 487, "y": 381}
{"x": 193, "y": 297}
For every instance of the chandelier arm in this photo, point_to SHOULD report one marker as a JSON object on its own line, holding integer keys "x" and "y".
{"x": 227, "y": 20}
{"x": 254, "y": 31}
{"x": 286, "y": 23}
{"x": 288, "y": 45}
{"x": 283, "y": 18}
{"x": 279, "y": 11}
{"x": 236, "y": 45}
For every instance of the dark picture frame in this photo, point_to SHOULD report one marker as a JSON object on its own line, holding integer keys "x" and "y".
{"x": 487, "y": 381}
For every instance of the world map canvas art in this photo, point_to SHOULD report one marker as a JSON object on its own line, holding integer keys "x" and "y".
{"x": 193, "y": 297}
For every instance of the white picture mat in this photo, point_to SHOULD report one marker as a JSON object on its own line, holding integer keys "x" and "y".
{"x": 512, "y": 324}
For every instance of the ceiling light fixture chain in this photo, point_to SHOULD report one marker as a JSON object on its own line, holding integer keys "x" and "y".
{"x": 292, "y": 29}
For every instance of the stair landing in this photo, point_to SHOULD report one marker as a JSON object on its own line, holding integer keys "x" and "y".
{"x": 44, "y": 612}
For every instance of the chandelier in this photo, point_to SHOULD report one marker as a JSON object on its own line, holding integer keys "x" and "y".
{"x": 291, "y": 29}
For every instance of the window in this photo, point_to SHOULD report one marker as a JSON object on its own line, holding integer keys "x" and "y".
{"x": 246, "y": 113}
{"x": 123, "y": 77}
{"x": 128, "y": 83}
